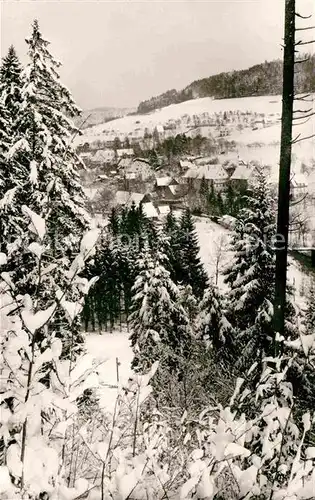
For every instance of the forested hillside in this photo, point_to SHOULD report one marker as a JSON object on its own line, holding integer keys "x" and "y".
{"x": 261, "y": 79}
{"x": 91, "y": 117}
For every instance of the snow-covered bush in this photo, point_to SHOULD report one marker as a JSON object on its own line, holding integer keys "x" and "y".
{"x": 38, "y": 389}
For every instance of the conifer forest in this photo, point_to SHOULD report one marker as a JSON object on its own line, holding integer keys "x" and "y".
{"x": 157, "y": 282}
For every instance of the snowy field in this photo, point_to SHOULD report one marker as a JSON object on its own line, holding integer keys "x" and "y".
{"x": 263, "y": 104}
{"x": 106, "y": 348}
{"x": 269, "y": 136}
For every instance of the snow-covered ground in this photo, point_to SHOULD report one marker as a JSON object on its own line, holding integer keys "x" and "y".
{"x": 264, "y": 104}
{"x": 106, "y": 348}
{"x": 267, "y": 137}
{"x": 215, "y": 250}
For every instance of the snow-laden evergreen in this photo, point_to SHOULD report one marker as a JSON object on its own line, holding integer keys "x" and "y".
{"x": 11, "y": 85}
{"x": 43, "y": 174}
{"x": 11, "y": 174}
{"x": 159, "y": 324}
{"x": 192, "y": 269}
{"x": 251, "y": 276}
{"x": 42, "y": 150}
{"x": 213, "y": 325}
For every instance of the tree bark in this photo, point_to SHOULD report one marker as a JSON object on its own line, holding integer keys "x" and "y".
{"x": 285, "y": 166}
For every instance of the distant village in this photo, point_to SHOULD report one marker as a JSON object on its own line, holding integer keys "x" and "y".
{"x": 115, "y": 171}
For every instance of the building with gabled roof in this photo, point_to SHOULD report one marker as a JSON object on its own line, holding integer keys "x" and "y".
{"x": 165, "y": 181}
{"x": 244, "y": 172}
{"x": 141, "y": 168}
{"x": 211, "y": 174}
{"x": 149, "y": 210}
{"x": 127, "y": 198}
{"x": 103, "y": 156}
{"x": 125, "y": 153}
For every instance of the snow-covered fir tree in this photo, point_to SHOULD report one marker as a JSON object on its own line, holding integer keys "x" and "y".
{"x": 43, "y": 149}
{"x": 11, "y": 85}
{"x": 159, "y": 324}
{"x": 4, "y": 146}
{"x": 250, "y": 276}
{"x": 171, "y": 229}
{"x": 48, "y": 181}
{"x": 189, "y": 302}
{"x": 10, "y": 102}
{"x": 192, "y": 269}
{"x": 213, "y": 325}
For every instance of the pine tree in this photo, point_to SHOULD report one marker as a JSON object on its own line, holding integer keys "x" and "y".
{"x": 11, "y": 173}
{"x": 114, "y": 221}
{"x": 190, "y": 304}
{"x": 193, "y": 272}
{"x": 213, "y": 325}
{"x": 48, "y": 181}
{"x": 251, "y": 276}
{"x": 4, "y": 146}
{"x": 171, "y": 229}
{"x": 160, "y": 326}
{"x": 44, "y": 151}
{"x": 11, "y": 85}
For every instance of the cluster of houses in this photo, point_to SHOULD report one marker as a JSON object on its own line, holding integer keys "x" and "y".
{"x": 166, "y": 193}
{"x": 134, "y": 180}
{"x": 147, "y": 134}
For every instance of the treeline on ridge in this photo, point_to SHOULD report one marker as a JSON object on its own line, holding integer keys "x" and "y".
{"x": 258, "y": 80}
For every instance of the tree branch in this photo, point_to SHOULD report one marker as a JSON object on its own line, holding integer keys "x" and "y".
{"x": 302, "y": 110}
{"x": 299, "y": 61}
{"x": 302, "y": 138}
{"x": 304, "y": 117}
{"x": 304, "y": 43}
{"x": 307, "y": 28}
{"x": 303, "y": 17}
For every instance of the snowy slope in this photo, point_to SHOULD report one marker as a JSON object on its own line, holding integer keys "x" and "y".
{"x": 213, "y": 237}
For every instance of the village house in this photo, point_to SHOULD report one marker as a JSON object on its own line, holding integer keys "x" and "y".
{"x": 150, "y": 210}
{"x": 127, "y": 198}
{"x": 102, "y": 157}
{"x": 210, "y": 174}
{"x": 125, "y": 153}
{"x": 168, "y": 191}
{"x": 140, "y": 168}
{"x": 244, "y": 174}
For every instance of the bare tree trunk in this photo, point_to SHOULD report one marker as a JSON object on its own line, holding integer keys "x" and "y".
{"x": 285, "y": 165}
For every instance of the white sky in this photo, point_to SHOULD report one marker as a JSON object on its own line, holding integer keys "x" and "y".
{"x": 117, "y": 53}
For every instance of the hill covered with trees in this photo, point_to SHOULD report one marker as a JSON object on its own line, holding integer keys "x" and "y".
{"x": 261, "y": 79}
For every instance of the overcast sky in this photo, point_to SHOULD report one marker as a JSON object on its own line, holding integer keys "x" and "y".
{"x": 118, "y": 53}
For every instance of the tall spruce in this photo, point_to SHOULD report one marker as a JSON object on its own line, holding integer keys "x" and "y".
{"x": 11, "y": 85}
{"x": 193, "y": 272}
{"x": 11, "y": 174}
{"x": 251, "y": 277}
{"x": 48, "y": 181}
{"x": 43, "y": 149}
{"x": 213, "y": 325}
{"x": 171, "y": 229}
{"x": 159, "y": 324}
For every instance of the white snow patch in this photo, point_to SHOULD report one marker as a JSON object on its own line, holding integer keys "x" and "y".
{"x": 106, "y": 348}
